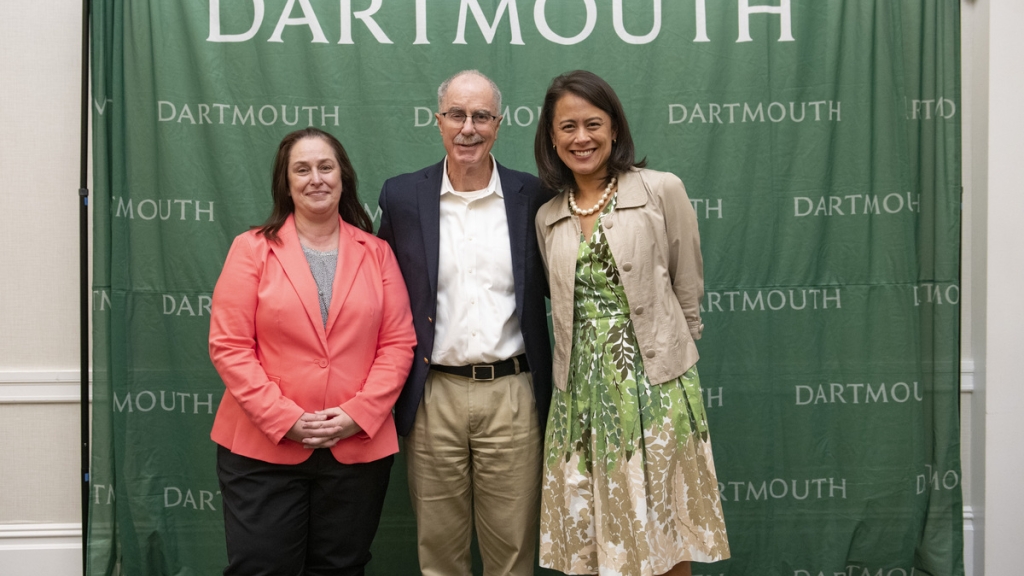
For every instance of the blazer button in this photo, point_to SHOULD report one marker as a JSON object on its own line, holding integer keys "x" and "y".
{"x": 429, "y": 319}
{"x": 627, "y": 267}
{"x": 639, "y": 310}
{"x": 650, "y": 353}
{"x": 425, "y": 360}
{"x": 322, "y": 363}
{"x": 608, "y": 224}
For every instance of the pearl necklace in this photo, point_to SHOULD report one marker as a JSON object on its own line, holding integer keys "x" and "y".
{"x": 600, "y": 203}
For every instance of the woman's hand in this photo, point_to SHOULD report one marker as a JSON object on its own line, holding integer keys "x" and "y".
{"x": 333, "y": 425}
{"x": 299, "y": 432}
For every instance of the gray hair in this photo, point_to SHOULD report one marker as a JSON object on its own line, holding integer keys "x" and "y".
{"x": 442, "y": 90}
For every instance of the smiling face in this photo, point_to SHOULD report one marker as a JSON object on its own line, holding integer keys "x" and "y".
{"x": 314, "y": 178}
{"x": 468, "y": 143}
{"x": 582, "y": 134}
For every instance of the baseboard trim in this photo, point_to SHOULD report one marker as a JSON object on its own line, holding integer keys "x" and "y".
{"x": 41, "y": 387}
{"x": 40, "y": 536}
{"x": 40, "y": 549}
{"x": 967, "y": 376}
{"x": 62, "y": 386}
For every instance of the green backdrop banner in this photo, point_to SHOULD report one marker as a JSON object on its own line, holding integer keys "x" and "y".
{"x": 819, "y": 142}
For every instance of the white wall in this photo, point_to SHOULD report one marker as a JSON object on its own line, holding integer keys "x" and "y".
{"x": 993, "y": 267}
{"x": 998, "y": 319}
{"x": 40, "y": 506}
{"x": 39, "y": 123}
{"x": 974, "y": 116}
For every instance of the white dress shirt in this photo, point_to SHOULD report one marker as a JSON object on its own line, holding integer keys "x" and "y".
{"x": 476, "y": 301}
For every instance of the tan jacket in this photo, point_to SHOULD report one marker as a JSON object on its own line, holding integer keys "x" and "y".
{"x": 652, "y": 234}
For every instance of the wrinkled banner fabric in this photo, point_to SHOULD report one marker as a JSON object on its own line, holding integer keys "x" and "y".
{"x": 819, "y": 143}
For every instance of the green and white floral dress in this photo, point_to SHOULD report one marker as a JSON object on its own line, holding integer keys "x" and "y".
{"x": 629, "y": 482}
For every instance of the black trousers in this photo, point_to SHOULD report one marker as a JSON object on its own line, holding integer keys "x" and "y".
{"x": 316, "y": 518}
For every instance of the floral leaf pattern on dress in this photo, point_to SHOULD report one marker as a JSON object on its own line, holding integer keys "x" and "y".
{"x": 629, "y": 480}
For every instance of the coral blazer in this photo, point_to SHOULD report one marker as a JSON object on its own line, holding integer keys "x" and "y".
{"x": 269, "y": 345}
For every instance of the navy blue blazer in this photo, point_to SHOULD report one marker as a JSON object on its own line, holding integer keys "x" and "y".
{"x": 410, "y": 223}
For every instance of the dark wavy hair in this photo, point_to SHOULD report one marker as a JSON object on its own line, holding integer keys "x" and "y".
{"x": 348, "y": 207}
{"x": 592, "y": 88}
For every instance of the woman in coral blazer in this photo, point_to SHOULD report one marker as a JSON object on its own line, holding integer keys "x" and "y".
{"x": 311, "y": 332}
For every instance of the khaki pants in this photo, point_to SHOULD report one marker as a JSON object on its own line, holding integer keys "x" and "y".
{"x": 474, "y": 454}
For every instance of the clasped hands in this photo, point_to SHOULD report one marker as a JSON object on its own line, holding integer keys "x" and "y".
{"x": 323, "y": 428}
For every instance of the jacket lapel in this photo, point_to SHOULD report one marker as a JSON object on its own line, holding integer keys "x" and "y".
{"x": 632, "y": 190}
{"x": 350, "y": 257}
{"x": 289, "y": 253}
{"x": 560, "y": 210}
{"x": 428, "y": 195}
{"x": 563, "y": 239}
{"x": 519, "y": 224}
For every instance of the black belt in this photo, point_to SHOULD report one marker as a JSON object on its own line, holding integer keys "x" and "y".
{"x": 487, "y": 371}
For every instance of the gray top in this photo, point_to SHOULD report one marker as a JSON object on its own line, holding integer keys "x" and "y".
{"x": 322, "y": 265}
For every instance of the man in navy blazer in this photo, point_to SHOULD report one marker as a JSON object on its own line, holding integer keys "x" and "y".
{"x": 474, "y": 405}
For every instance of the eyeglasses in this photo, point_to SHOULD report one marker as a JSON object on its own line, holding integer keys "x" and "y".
{"x": 459, "y": 117}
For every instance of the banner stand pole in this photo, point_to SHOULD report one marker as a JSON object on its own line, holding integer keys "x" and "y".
{"x": 84, "y": 292}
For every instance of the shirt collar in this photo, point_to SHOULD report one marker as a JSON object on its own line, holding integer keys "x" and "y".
{"x": 493, "y": 186}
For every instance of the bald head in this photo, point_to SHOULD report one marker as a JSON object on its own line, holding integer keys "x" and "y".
{"x": 461, "y": 77}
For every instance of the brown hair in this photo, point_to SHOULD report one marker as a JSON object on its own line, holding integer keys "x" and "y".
{"x": 592, "y": 88}
{"x": 348, "y": 207}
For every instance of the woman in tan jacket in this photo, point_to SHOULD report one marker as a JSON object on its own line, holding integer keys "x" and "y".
{"x": 629, "y": 481}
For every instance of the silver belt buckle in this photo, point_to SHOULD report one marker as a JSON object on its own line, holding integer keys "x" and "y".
{"x": 483, "y": 367}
